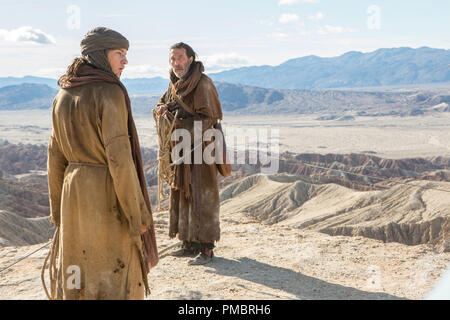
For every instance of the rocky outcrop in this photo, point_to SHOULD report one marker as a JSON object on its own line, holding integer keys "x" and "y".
{"x": 27, "y": 197}
{"x": 365, "y": 171}
{"x": 373, "y": 200}
{"x": 409, "y": 214}
{"x": 18, "y": 231}
{"x": 436, "y": 231}
{"x": 21, "y": 158}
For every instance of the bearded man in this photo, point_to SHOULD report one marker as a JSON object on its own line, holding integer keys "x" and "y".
{"x": 194, "y": 194}
{"x": 97, "y": 190}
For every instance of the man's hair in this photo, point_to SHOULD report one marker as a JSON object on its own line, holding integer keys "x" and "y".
{"x": 189, "y": 51}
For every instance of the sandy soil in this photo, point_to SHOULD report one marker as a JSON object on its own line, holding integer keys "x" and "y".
{"x": 389, "y": 137}
{"x": 256, "y": 261}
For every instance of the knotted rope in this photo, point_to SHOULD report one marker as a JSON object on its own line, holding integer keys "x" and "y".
{"x": 52, "y": 269}
{"x": 164, "y": 128}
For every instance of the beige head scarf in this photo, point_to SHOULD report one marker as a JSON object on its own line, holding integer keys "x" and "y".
{"x": 95, "y": 44}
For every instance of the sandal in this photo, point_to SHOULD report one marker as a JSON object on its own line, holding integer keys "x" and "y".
{"x": 201, "y": 259}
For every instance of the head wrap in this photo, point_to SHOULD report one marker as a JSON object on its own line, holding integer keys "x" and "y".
{"x": 95, "y": 44}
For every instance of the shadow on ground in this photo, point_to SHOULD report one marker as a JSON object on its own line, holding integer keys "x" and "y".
{"x": 289, "y": 281}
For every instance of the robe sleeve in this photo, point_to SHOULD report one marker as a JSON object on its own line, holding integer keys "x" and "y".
{"x": 56, "y": 166}
{"x": 120, "y": 161}
{"x": 163, "y": 99}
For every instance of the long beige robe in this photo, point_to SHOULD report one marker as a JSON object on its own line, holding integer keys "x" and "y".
{"x": 95, "y": 195}
{"x": 203, "y": 228}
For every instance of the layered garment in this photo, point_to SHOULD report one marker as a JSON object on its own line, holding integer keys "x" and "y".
{"x": 96, "y": 197}
{"x": 194, "y": 197}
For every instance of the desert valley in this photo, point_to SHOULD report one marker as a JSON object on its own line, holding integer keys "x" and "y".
{"x": 358, "y": 206}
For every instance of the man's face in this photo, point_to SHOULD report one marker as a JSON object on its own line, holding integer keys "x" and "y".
{"x": 180, "y": 62}
{"x": 117, "y": 60}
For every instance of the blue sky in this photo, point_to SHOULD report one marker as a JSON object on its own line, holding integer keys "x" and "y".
{"x": 42, "y": 37}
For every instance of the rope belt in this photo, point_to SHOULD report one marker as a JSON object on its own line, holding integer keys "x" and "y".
{"x": 88, "y": 164}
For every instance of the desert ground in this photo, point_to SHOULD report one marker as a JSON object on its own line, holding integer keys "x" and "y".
{"x": 390, "y": 137}
{"x": 256, "y": 261}
{"x": 262, "y": 258}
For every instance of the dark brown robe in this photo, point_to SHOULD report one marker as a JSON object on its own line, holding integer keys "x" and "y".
{"x": 194, "y": 198}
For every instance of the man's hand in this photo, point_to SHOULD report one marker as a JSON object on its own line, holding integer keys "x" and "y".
{"x": 144, "y": 229}
{"x": 160, "y": 110}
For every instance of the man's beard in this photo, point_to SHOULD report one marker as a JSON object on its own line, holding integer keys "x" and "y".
{"x": 181, "y": 73}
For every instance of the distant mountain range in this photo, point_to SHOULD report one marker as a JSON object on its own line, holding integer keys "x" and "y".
{"x": 329, "y": 104}
{"x": 281, "y": 89}
{"x": 383, "y": 67}
{"x": 155, "y": 85}
{"x": 12, "y": 81}
{"x": 146, "y": 86}
{"x": 26, "y": 96}
{"x": 40, "y": 96}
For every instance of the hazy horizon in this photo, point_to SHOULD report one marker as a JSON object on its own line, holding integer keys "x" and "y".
{"x": 40, "y": 39}
{"x": 167, "y": 78}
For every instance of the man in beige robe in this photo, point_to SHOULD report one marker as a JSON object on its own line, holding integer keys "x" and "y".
{"x": 194, "y": 196}
{"x": 97, "y": 197}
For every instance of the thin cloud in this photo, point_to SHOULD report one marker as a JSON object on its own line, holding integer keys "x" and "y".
{"x": 50, "y": 72}
{"x": 288, "y": 18}
{"x": 26, "y": 34}
{"x": 277, "y": 35}
{"x": 224, "y": 61}
{"x": 317, "y": 16}
{"x": 117, "y": 15}
{"x": 266, "y": 22}
{"x": 289, "y": 2}
{"x": 327, "y": 29}
{"x": 144, "y": 71}
{"x": 304, "y": 33}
